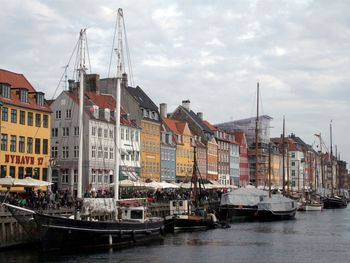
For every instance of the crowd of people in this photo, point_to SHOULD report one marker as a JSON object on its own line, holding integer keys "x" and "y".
{"x": 43, "y": 200}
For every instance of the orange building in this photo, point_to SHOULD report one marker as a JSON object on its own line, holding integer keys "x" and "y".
{"x": 25, "y": 128}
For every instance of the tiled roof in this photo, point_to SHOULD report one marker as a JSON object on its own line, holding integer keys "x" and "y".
{"x": 16, "y": 81}
{"x": 198, "y": 120}
{"x": 142, "y": 98}
{"x": 172, "y": 125}
{"x": 103, "y": 101}
{"x": 210, "y": 126}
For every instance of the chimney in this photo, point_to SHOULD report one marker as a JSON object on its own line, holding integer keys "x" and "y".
{"x": 93, "y": 83}
{"x": 71, "y": 85}
{"x": 163, "y": 110}
{"x": 186, "y": 104}
{"x": 200, "y": 115}
{"x": 125, "y": 80}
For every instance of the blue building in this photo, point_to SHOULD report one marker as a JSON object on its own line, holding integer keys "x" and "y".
{"x": 234, "y": 163}
{"x": 167, "y": 151}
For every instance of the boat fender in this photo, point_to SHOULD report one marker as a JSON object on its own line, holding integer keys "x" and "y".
{"x": 213, "y": 217}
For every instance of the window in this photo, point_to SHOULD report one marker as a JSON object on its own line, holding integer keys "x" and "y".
{"x": 122, "y": 133}
{"x": 136, "y": 136}
{"x": 93, "y": 131}
{"x": 3, "y": 170}
{"x": 12, "y": 171}
{"x": 20, "y": 172}
{"x": 111, "y": 134}
{"x": 5, "y": 90}
{"x": 45, "y": 146}
{"x": 65, "y": 152}
{"x": 93, "y": 151}
{"x": 293, "y": 164}
{"x": 105, "y": 133}
{"x": 13, "y": 140}
{"x": 58, "y": 114}
{"x": 24, "y": 95}
{"x": 111, "y": 153}
{"x": 68, "y": 114}
{"x": 105, "y": 153}
{"x": 37, "y": 146}
{"x": 126, "y": 134}
{"x": 65, "y": 131}
{"x": 99, "y": 132}
{"x": 64, "y": 176}
{"x": 30, "y": 118}
{"x": 36, "y": 173}
{"x": 76, "y": 151}
{"x": 54, "y": 151}
{"x": 75, "y": 176}
{"x": 54, "y": 132}
{"x": 93, "y": 176}
{"x": 131, "y": 135}
{"x": 14, "y": 116}
{"x": 29, "y": 145}
{"x": 21, "y": 144}
{"x": 29, "y": 172}
{"x": 45, "y": 174}
{"x": 37, "y": 120}
{"x": 22, "y": 117}
{"x": 99, "y": 152}
{"x": 76, "y": 131}
{"x": 4, "y": 114}
{"x": 45, "y": 121}
{"x": 3, "y": 142}
{"x": 99, "y": 177}
{"x": 40, "y": 99}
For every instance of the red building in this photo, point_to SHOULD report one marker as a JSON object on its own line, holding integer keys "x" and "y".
{"x": 243, "y": 158}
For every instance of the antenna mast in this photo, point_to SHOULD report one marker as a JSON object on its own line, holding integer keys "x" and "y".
{"x": 256, "y": 136}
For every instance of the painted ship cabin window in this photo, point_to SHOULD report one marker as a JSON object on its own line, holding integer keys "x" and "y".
{"x": 136, "y": 214}
{"x": 5, "y": 90}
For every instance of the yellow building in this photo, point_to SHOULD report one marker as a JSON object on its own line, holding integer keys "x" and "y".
{"x": 150, "y": 150}
{"x": 184, "y": 148}
{"x": 150, "y": 133}
{"x": 25, "y": 128}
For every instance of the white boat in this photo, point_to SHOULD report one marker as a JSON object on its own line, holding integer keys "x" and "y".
{"x": 241, "y": 204}
{"x": 276, "y": 207}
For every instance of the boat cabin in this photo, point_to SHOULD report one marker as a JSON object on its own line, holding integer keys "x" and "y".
{"x": 179, "y": 207}
{"x": 134, "y": 213}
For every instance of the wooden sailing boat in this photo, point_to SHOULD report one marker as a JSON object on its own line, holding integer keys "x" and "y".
{"x": 333, "y": 201}
{"x": 190, "y": 214}
{"x": 127, "y": 224}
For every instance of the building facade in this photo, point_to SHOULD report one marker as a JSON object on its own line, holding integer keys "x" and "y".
{"x": 24, "y": 128}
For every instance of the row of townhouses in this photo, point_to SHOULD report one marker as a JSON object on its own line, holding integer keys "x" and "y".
{"x": 40, "y": 138}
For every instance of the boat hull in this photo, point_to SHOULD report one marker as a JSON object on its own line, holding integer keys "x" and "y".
{"x": 269, "y": 215}
{"x": 188, "y": 223}
{"x": 238, "y": 213}
{"x": 333, "y": 203}
{"x": 56, "y": 233}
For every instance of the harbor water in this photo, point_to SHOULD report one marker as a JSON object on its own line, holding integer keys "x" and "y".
{"x": 315, "y": 236}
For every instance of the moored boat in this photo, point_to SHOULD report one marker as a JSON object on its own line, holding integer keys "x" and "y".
{"x": 182, "y": 217}
{"x": 241, "y": 204}
{"x": 276, "y": 207}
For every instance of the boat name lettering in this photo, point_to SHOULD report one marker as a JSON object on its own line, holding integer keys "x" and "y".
{"x": 17, "y": 159}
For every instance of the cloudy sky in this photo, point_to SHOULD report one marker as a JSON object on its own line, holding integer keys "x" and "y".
{"x": 211, "y": 52}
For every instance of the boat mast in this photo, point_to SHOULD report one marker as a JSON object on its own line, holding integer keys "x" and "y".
{"x": 117, "y": 106}
{"x": 331, "y": 157}
{"x": 81, "y": 108}
{"x": 283, "y": 158}
{"x": 256, "y": 136}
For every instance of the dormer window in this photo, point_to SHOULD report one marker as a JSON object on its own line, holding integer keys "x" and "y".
{"x": 5, "y": 90}
{"x": 40, "y": 99}
{"x": 23, "y": 95}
